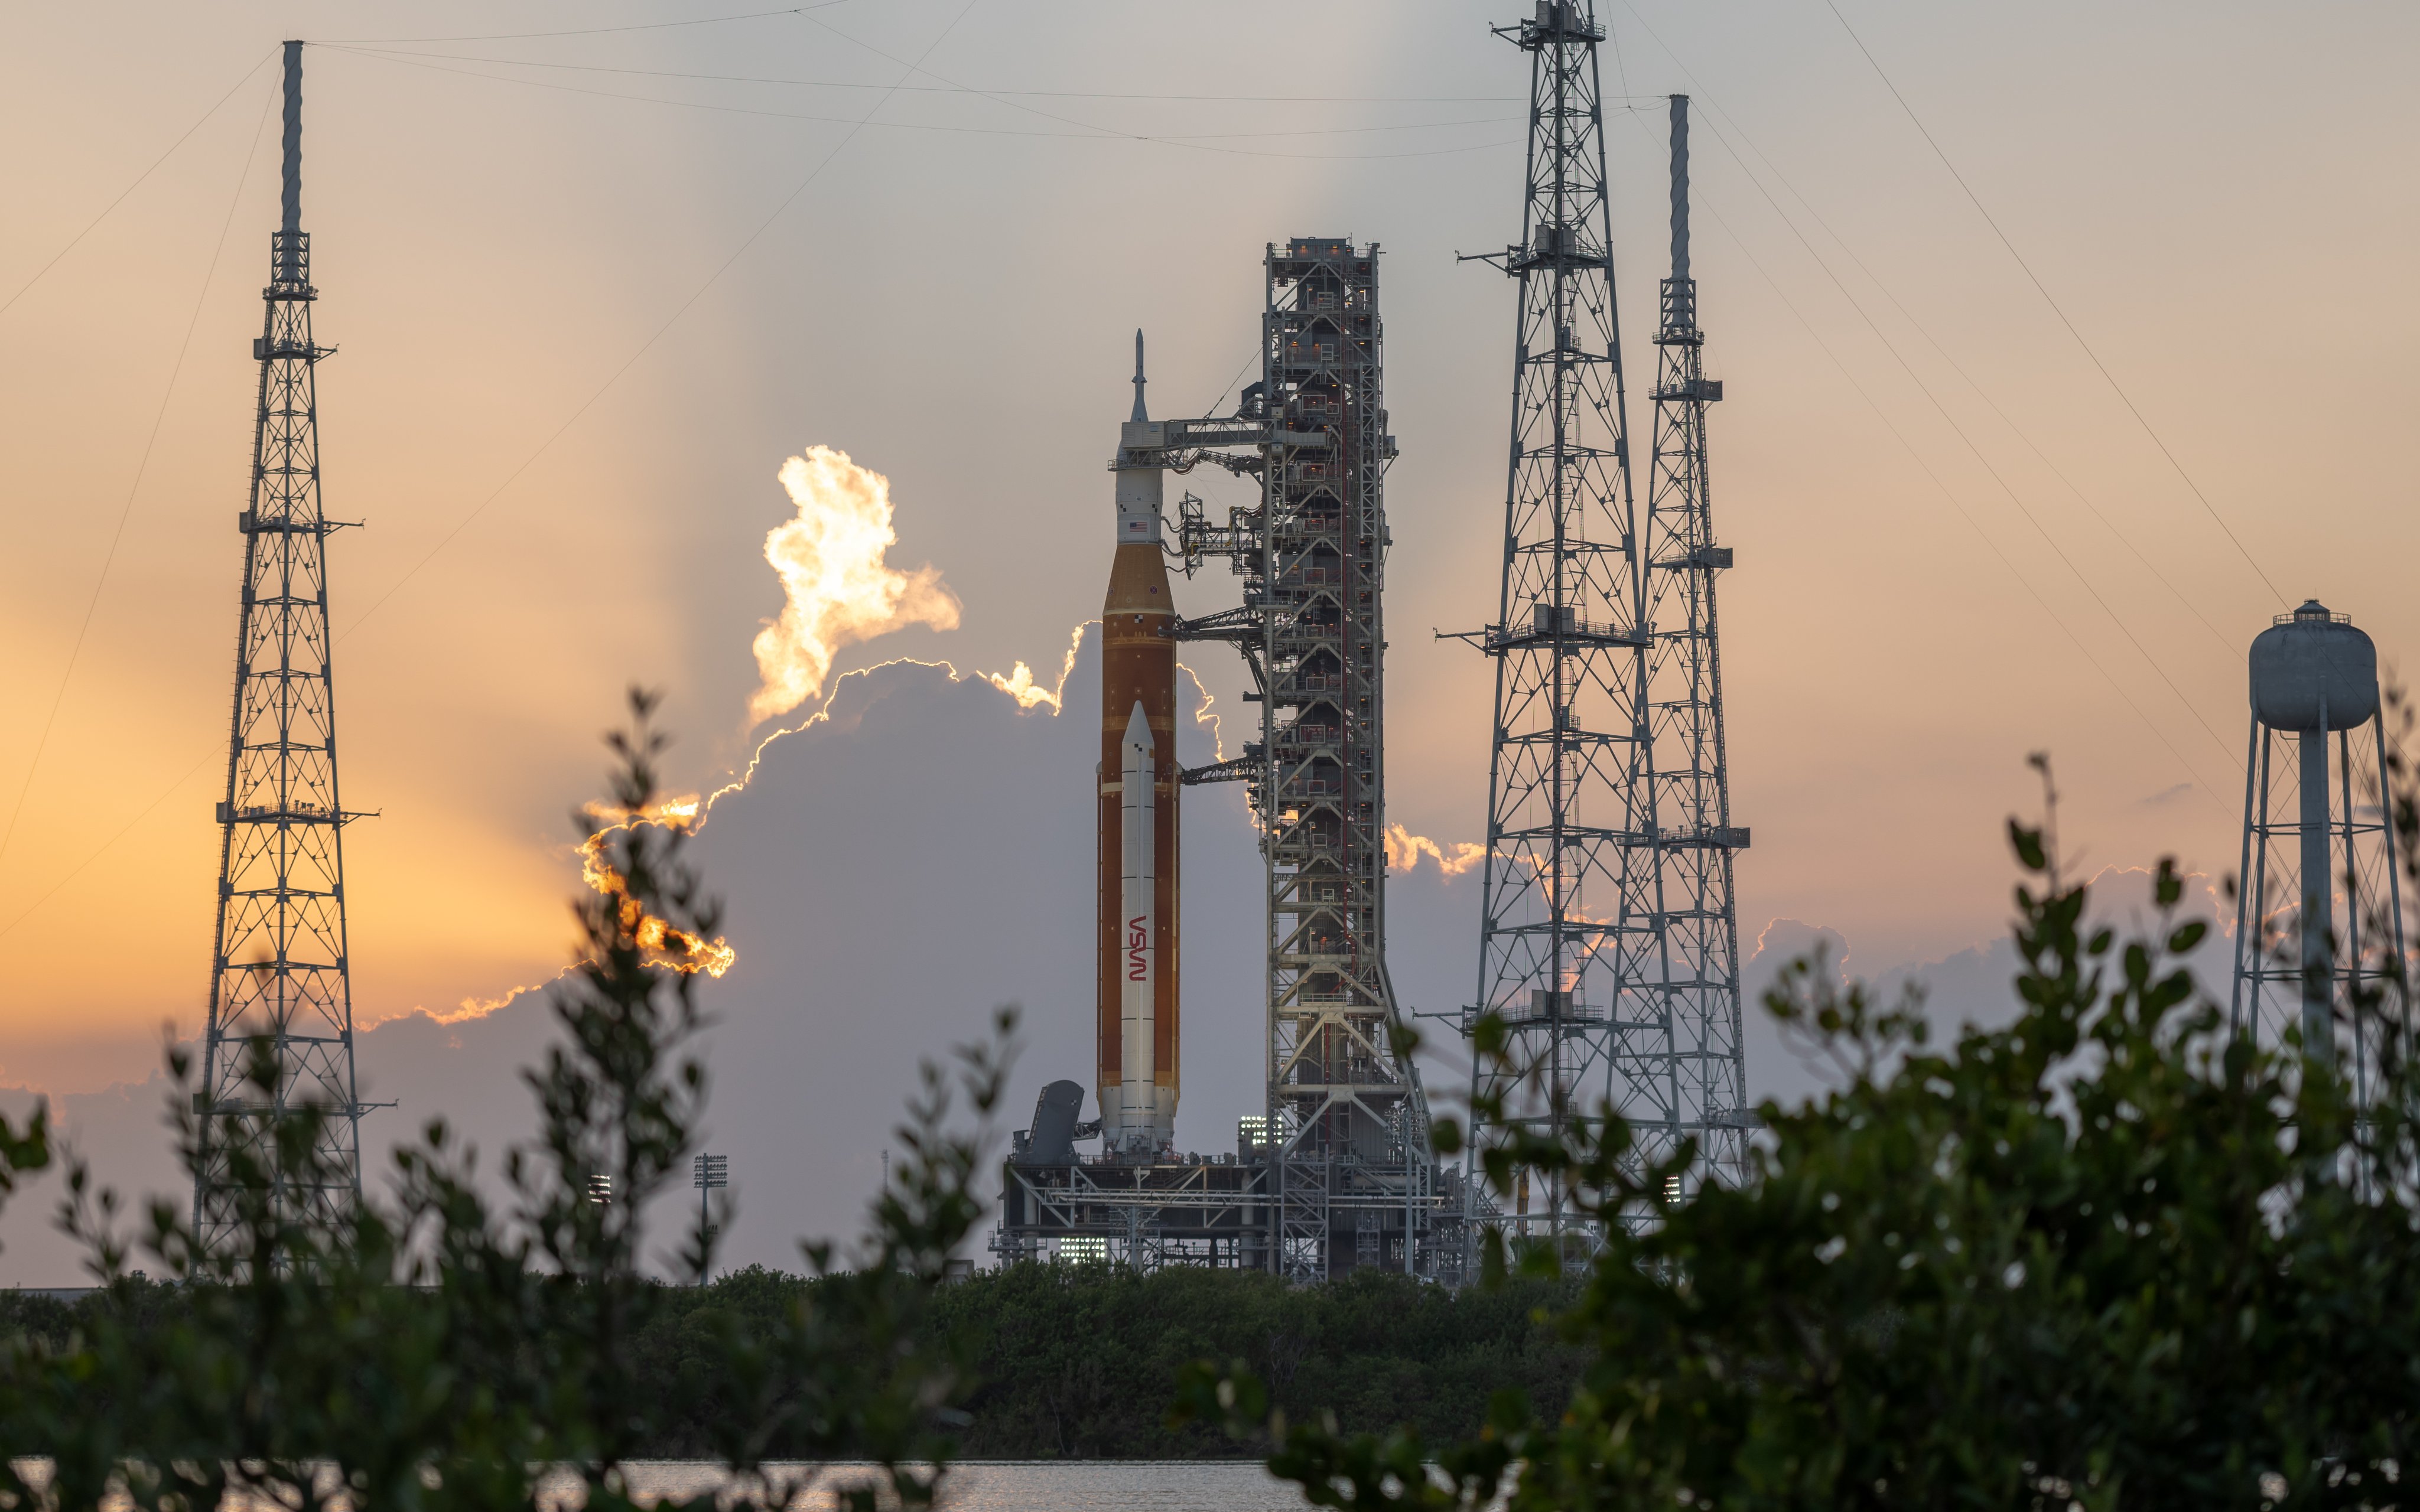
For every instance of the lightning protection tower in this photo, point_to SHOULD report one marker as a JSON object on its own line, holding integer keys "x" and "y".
{"x": 1567, "y": 908}
{"x": 1690, "y": 999}
{"x": 2311, "y": 844}
{"x": 279, "y": 968}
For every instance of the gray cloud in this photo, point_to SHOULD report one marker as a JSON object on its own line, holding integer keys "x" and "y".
{"x": 892, "y": 873}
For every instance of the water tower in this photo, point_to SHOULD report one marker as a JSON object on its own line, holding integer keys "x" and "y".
{"x": 2318, "y": 917}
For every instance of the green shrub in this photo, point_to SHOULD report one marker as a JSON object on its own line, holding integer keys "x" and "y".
{"x": 436, "y": 1353}
{"x": 2109, "y": 1255}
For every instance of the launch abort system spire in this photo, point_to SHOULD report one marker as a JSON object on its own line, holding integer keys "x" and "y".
{"x": 280, "y": 967}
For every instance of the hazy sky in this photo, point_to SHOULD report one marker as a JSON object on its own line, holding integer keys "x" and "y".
{"x": 580, "y": 334}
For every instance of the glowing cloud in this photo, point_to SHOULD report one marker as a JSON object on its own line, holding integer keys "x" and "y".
{"x": 479, "y": 1008}
{"x": 1404, "y": 850}
{"x": 665, "y": 946}
{"x": 1202, "y": 714}
{"x": 1020, "y": 686}
{"x": 684, "y": 952}
{"x": 840, "y": 590}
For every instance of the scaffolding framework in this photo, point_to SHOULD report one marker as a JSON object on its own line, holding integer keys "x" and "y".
{"x": 1213, "y": 1214}
{"x": 1346, "y": 1127}
{"x": 280, "y": 967}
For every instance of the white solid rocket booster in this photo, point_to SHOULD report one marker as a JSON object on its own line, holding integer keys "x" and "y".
{"x": 1139, "y": 887}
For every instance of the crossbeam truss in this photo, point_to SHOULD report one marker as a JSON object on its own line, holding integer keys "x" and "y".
{"x": 280, "y": 967}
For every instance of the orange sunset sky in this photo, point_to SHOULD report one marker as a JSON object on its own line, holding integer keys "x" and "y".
{"x": 591, "y": 290}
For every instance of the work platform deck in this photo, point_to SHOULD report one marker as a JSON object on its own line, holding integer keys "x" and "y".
{"x": 1305, "y": 1218}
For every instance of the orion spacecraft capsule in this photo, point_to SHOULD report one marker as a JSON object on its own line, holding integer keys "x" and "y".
{"x": 1137, "y": 870}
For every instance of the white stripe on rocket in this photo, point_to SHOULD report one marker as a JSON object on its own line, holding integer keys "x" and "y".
{"x": 1138, "y": 929}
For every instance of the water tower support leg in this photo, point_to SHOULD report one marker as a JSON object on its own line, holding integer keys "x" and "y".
{"x": 2319, "y": 888}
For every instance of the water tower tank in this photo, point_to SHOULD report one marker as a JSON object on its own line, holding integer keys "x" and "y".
{"x": 2312, "y": 669}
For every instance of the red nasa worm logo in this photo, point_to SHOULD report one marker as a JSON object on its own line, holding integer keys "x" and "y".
{"x": 1137, "y": 937}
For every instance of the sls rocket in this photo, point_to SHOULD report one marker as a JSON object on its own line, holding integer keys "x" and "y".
{"x": 1136, "y": 1006}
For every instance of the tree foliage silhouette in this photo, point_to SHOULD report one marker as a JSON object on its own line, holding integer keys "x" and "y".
{"x": 2107, "y": 1254}
{"x": 435, "y": 1350}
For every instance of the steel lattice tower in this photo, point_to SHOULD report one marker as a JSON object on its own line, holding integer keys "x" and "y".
{"x": 1567, "y": 926}
{"x": 1346, "y": 1126}
{"x": 1339, "y": 1098}
{"x": 1691, "y": 999}
{"x": 279, "y": 968}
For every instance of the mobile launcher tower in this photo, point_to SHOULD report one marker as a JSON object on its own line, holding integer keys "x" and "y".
{"x": 1335, "y": 1172}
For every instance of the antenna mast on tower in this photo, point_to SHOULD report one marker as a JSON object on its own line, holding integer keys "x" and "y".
{"x": 280, "y": 970}
{"x": 1691, "y": 1002}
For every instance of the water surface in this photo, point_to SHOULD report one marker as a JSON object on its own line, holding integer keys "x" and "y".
{"x": 1003, "y": 1486}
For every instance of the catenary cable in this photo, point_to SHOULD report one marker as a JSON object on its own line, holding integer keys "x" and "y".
{"x": 78, "y": 238}
{"x": 646, "y": 347}
{"x": 1972, "y": 383}
{"x": 1197, "y": 144}
{"x": 1254, "y": 357}
{"x": 996, "y": 98}
{"x": 78, "y": 870}
{"x": 963, "y": 89}
{"x": 1105, "y": 133}
{"x": 1988, "y": 466}
{"x": 543, "y": 447}
{"x": 1006, "y": 96}
{"x": 1971, "y": 523}
{"x": 1701, "y": 97}
{"x": 591, "y": 31}
{"x": 126, "y": 510}
{"x": 1959, "y": 430}
{"x": 2107, "y": 376}
{"x": 412, "y": 572}
{"x": 1002, "y": 98}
